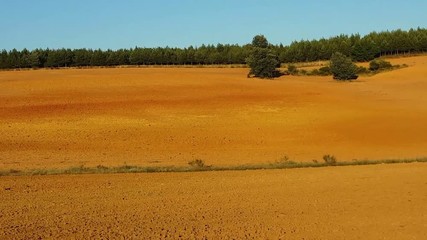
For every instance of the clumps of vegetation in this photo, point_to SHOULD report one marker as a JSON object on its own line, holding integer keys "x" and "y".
{"x": 101, "y": 167}
{"x": 379, "y": 64}
{"x": 325, "y": 71}
{"x": 284, "y": 162}
{"x": 262, "y": 60}
{"x": 330, "y": 159}
{"x": 362, "y": 70}
{"x": 375, "y": 66}
{"x": 197, "y": 163}
{"x": 303, "y": 72}
{"x": 292, "y": 69}
{"x": 342, "y": 67}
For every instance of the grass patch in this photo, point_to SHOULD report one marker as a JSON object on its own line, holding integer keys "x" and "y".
{"x": 198, "y": 166}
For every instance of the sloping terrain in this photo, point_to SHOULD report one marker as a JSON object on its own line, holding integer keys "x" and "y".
{"x": 161, "y": 116}
{"x": 169, "y": 116}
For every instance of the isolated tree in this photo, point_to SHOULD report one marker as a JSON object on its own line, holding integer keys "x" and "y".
{"x": 342, "y": 67}
{"x": 262, "y": 60}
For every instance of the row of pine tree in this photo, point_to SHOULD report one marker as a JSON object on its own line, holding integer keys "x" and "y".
{"x": 359, "y": 48}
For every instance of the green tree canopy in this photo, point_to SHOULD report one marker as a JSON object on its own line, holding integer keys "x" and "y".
{"x": 342, "y": 67}
{"x": 262, "y": 60}
{"x": 359, "y": 48}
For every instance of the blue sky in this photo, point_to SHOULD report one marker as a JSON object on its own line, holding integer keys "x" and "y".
{"x": 179, "y": 23}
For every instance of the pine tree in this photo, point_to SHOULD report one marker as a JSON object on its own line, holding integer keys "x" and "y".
{"x": 342, "y": 67}
{"x": 262, "y": 60}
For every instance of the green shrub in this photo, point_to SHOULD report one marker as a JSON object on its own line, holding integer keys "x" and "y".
{"x": 374, "y": 66}
{"x": 325, "y": 71}
{"x": 384, "y": 64}
{"x": 362, "y": 70}
{"x": 342, "y": 67}
{"x": 302, "y": 72}
{"x": 314, "y": 72}
{"x": 379, "y": 64}
{"x": 292, "y": 69}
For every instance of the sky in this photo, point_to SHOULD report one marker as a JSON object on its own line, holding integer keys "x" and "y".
{"x": 108, "y": 24}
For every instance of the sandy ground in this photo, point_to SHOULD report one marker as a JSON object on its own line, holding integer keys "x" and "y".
{"x": 169, "y": 116}
{"x": 357, "y": 202}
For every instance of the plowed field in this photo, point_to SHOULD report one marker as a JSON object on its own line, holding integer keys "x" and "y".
{"x": 169, "y": 116}
{"x": 358, "y": 202}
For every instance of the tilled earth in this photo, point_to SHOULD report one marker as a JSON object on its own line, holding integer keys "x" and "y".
{"x": 357, "y": 202}
{"x": 169, "y": 116}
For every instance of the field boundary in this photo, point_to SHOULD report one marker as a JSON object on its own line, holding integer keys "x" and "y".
{"x": 100, "y": 169}
{"x": 231, "y": 65}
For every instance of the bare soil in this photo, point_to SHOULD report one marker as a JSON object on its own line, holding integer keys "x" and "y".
{"x": 169, "y": 116}
{"x": 358, "y": 202}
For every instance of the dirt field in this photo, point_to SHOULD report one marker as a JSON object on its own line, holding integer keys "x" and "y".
{"x": 358, "y": 202}
{"x": 164, "y": 116}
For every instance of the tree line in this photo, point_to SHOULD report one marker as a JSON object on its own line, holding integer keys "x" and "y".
{"x": 366, "y": 48}
{"x": 356, "y": 47}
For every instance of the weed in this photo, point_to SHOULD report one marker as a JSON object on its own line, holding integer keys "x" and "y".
{"x": 284, "y": 162}
{"x": 197, "y": 163}
{"x": 330, "y": 159}
{"x": 101, "y": 167}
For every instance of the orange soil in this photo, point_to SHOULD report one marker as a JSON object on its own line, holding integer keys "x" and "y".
{"x": 168, "y": 116}
{"x": 358, "y": 202}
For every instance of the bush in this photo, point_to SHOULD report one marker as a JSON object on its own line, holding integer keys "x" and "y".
{"x": 314, "y": 72}
{"x": 379, "y": 64}
{"x": 329, "y": 159}
{"x": 325, "y": 71}
{"x": 292, "y": 69}
{"x": 342, "y": 67}
{"x": 362, "y": 70}
{"x": 384, "y": 64}
{"x": 303, "y": 72}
